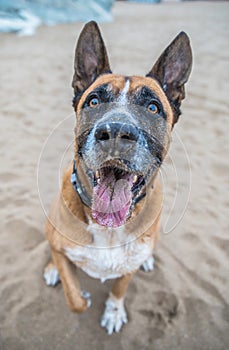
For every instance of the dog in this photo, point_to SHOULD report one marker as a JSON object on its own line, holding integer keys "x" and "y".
{"x": 106, "y": 218}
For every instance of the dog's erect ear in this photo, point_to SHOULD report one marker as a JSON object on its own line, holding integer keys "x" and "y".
{"x": 90, "y": 58}
{"x": 172, "y": 70}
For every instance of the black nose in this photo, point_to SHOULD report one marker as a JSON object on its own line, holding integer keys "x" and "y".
{"x": 115, "y": 130}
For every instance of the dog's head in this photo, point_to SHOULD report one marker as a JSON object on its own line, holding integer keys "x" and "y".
{"x": 123, "y": 123}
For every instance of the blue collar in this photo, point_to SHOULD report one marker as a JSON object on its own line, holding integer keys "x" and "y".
{"x": 79, "y": 188}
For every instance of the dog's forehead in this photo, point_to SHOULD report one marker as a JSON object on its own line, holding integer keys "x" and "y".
{"x": 128, "y": 85}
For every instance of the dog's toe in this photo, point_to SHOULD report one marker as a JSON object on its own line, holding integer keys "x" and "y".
{"x": 148, "y": 265}
{"x": 114, "y": 315}
{"x": 51, "y": 275}
{"x": 87, "y": 296}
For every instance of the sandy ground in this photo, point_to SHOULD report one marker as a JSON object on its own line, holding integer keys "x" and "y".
{"x": 184, "y": 303}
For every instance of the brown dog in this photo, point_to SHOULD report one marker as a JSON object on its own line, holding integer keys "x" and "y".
{"x": 106, "y": 218}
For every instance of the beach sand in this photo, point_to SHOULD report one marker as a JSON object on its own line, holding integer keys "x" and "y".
{"x": 184, "y": 303}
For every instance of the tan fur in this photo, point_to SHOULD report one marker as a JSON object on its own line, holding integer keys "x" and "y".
{"x": 138, "y": 82}
{"x": 67, "y": 223}
{"x": 117, "y": 83}
{"x": 63, "y": 230}
{"x": 120, "y": 286}
{"x": 70, "y": 229}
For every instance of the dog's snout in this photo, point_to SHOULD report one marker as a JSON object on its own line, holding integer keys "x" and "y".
{"x": 109, "y": 131}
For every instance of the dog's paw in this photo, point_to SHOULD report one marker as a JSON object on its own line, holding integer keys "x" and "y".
{"x": 114, "y": 315}
{"x": 87, "y": 296}
{"x": 51, "y": 275}
{"x": 148, "y": 265}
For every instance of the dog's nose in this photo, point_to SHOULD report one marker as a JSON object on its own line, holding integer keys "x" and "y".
{"x": 115, "y": 130}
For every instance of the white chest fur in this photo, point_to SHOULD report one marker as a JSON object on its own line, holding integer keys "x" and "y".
{"x": 109, "y": 256}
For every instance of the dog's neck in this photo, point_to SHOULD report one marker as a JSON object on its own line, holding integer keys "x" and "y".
{"x": 79, "y": 188}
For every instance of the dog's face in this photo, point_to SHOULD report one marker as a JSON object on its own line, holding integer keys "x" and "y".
{"x": 123, "y": 123}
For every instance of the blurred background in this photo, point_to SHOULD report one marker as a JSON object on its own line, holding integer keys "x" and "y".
{"x": 184, "y": 303}
{"x": 23, "y": 16}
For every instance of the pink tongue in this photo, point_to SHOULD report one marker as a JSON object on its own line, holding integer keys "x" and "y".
{"x": 111, "y": 200}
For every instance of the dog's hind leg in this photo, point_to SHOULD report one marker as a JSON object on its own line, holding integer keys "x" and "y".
{"x": 115, "y": 314}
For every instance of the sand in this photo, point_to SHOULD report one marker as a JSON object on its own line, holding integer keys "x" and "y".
{"x": 184, "y": 303}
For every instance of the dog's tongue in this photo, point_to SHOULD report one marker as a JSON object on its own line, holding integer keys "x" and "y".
{"x": 112, "y": 199}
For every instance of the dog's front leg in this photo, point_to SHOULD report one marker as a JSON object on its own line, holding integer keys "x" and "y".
{"x": 115, "y": 314}
{"x": 76, "y": 300}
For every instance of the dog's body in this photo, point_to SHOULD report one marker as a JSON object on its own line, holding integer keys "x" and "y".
{"x": 106, "y": 219}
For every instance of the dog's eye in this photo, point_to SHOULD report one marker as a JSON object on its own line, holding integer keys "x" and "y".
{"x": 153, "y": 108}
{"x": 93, "y": 102}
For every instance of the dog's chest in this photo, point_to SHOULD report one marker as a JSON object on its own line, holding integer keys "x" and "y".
{"x": 109, "y": 257}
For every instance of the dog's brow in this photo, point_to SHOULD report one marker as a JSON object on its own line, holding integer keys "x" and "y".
{"x": 101, "y": 89}
{"x": 146, "y": 92}
{"x": 104, "y": 92}
{"x": 144, "y": 95}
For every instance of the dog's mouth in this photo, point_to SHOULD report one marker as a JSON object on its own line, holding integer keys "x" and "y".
{"x": 114, "y": 194}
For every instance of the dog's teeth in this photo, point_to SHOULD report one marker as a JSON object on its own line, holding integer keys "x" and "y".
{"x": 97, "y": 174}
{"x": 98, "y": 180}
{"x": 135, "y": 179}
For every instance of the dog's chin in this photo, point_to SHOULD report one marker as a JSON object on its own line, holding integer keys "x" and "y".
{"x": 114, "y": 193}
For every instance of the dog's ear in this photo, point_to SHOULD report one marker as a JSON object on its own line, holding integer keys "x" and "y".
{"x": 172, "y": 70}
{"x": 90, "y": 58}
